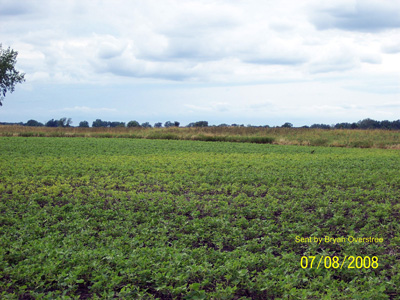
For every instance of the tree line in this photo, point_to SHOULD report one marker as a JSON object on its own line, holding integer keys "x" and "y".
{"x": 67, "y": 122}
{"x": 363, "y": 124}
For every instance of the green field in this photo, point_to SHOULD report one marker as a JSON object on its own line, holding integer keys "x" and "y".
{"x": 172, "y": 219}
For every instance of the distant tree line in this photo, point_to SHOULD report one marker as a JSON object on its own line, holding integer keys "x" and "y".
{"x": 100, "y": 123}
{"x": 66, "y": 122}
{"x": 363, "y": 124}
{"x": 198, "y": 124}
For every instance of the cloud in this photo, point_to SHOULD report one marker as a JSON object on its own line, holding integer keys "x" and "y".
{"x": 14, "y": 8}
{"x": 85, "y": 109}
{"x": 388, "y": 106}
{"x": 371, "y": 58}
{"x": 203, "y": 41}
{"x": 129, "y": 66}
{"x": 110, "y": 48}
{"x": 391, "y": 47}
{"x": 276, "y": 59}
{"x": 199, "y": 41}
{"x": 359, "y": 15}
{"x": 261, "y": 106}
{"x": 190, "y": 30}
{"x": 211, "y": 108}
{"x": 376, "y": 87}
{"x": 335, "y": 58}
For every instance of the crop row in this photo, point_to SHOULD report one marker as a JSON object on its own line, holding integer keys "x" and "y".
{"x": 104, "y": 218}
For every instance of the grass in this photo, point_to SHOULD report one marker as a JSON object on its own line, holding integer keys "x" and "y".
{"x": 105, "y": 218}
{"x": 279, "y": 136}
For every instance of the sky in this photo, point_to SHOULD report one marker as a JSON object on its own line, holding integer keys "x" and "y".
{"x": 258, "y": 62}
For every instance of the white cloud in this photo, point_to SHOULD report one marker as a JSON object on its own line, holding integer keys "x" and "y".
{"x": 348, "y": 43}
{"x": 197, "y": 40}
{"x": 10, "y": 8}
{"x": 212, "y": 107}
{"x": 392, "y": 47}
{"x": 85, "y": 109}
{"x": 357, "y": 15}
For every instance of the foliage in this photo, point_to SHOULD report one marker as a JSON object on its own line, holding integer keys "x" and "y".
{"x": 84, "y": 124}
{"x": 324, "y": 126}
{"x": 100, "y": 123}
{"x": 63, "y": 122}
{"x": 362, "y": 124}
{"x": 171, "y": 124}
{"x": 146, "y": 125}
{"x": 52, "y": 123}
{"x": 33, "y": 123}
{"x": 198, "y": 124}
{"x": 133, "y": 124}
{"x": 366, "y": 124}
{"x": 287, "y": 125}
{"x": 337, "y": 126}
{"x": 150, "y": 219}
{"x": 9, "y": 76}
{"x": 116, "y": 124}
{"x": 168, "y": 124}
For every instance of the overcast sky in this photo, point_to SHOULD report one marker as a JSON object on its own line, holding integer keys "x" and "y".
{"x": 224, "y": 61}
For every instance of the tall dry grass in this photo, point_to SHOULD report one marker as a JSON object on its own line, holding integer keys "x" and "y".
{"x": 282, "y": 136}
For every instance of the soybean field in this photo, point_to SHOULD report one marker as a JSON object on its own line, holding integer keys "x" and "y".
{"x": 119, "y": 218}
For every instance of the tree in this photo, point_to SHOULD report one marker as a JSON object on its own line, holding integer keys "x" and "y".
{"x": 343, "y": 125}
{"x": 396, "y": 124}
{"x": 64, "y": 122}
{"x": 368, "y": 124}
{"x": 287, "y": 125}
{"x": 100, "y": 123}
{"x": 133, "y": 124}
{"x": 353, "y": 125}
{"x": 116, "y": 124}
{"x": 84, "y": 124}
{"x": 198, "y": 124}
{"x": 158, "y": 125}
{"x": 146, "y": 125}
{"x": 201, "y": 124}
{"x": 33, "y": 123}
{"x": 52, "y": 123}
{"x": 8, "y": 75}
{"x": 319, "y": 126}
{"x": 168, "y": 124}
{"x": 385, "y": 124}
